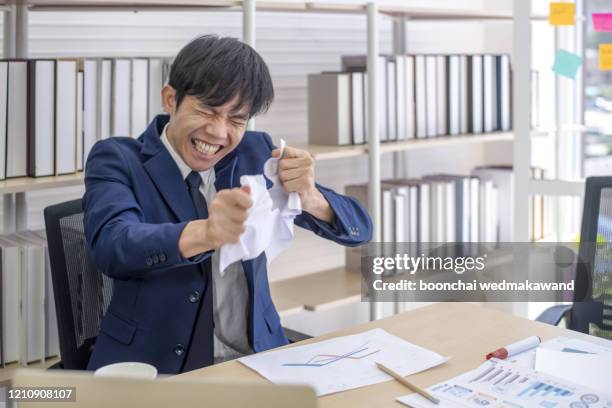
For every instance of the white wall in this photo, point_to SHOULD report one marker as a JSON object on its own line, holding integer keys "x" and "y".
{"x": 293, "y": 45}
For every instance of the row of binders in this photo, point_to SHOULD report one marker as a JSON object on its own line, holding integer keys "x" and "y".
{"x": 52, "y": 111}
{"x": 27, "y": 306}
{"x": 442, "y": 208}
{"x": 418, "y": 96}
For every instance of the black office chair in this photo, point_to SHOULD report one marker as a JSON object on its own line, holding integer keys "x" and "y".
{"x": 591, "y": 311}
{"x": 82, "y": 294}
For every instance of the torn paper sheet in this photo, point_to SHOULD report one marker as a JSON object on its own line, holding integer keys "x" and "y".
{"x": 269, "y": 226}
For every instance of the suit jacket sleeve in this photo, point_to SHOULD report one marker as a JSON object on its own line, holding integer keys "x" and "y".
{"x": 122, "y": 244}
{"x": 352, "y": 225}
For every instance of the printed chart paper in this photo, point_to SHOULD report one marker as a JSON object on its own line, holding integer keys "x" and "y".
{"x": 343, "y": 363}
{"x": 498, "y": 383}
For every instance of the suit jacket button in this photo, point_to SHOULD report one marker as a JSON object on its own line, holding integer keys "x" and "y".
{"x": 155, "y": 259}
{"x": 179, "y": 350}
{"x": 162, "y": 257}
{"x": 149, "y": 261}
{"x": 194, "y": 296}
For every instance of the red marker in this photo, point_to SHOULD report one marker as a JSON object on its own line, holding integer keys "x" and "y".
{"x": 515, "y": 348}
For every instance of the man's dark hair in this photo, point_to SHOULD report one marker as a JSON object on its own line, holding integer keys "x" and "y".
{"x": 217, "y": 69}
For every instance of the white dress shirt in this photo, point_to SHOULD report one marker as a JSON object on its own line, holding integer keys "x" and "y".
{"x": 230, "y": 291}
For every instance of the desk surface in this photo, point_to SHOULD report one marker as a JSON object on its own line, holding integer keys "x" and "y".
{"x": 464, "y": 331}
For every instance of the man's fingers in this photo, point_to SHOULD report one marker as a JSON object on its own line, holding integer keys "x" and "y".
{"x": 294, "y": 163}
{"x": 294, "y": 185}
{"x": 228, "y": 229}
{"x": 234, "y": 230}
{"x": 239, "y": 198}
{"x": 275, "y": 152}
{"x": 292, "y": 174}
{"x": 292, "y": 152}
{"x": 236, "y": 214}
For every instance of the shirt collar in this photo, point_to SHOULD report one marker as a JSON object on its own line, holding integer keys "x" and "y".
{"x": 183, "y": 167}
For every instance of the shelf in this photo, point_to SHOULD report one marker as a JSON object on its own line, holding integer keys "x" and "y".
{"x": 319, "y": 152}
{"x": 316, "y": 291}
{"x": 25, "y": 184}
{"x": 557, "y": 187}
{"x": 564, "y": 129}
{"x": 322, "y": 152}
{"x": 414, "y": 13}
{"x": 6, "y": 373}
{"x": 43, "y": 4}
{"x": 450, "y": 14}
{"x": 393, "y": 10}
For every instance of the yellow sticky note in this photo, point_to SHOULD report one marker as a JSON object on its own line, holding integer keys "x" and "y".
{"x": 562, "y": 14}
{"x": 605, "y": 57}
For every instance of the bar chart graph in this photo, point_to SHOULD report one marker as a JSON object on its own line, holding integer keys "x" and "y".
{"x": 499, "y": 376}
{"x": 542, "y": 389}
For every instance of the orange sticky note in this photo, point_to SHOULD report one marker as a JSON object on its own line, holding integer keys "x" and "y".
{"x": 562, "y": 14}
{"x": 605, "y": 57}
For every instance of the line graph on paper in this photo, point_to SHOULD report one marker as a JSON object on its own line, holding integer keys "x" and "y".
{"x": 342, "y": 363}
{"x": 321, "y": 360}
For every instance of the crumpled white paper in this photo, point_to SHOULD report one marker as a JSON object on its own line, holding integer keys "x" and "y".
{"x": 269, "y": 226}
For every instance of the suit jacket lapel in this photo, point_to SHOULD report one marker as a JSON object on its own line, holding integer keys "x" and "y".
{"x": 225, "y": 172}
{"x": 169, "y": 181}
{"x": 165, "y": 173}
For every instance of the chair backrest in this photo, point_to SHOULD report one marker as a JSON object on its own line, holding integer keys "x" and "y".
{"x": 592, "y": 309}
{"x": 81, "y": 293}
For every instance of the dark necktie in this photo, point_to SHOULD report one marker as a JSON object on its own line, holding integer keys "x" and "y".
{"x": 200, "y": 352}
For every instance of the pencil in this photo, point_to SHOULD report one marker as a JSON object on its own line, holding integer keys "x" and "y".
{"x": 408, "y": 384}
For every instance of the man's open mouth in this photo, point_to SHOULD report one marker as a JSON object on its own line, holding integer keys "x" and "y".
{"x": 205, "y": 148}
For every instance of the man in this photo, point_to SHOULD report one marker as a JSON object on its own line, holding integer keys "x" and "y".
{"x": 158, "y": 208}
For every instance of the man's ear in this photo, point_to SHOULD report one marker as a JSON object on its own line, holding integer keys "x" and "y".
{"x": 168, "y": 95}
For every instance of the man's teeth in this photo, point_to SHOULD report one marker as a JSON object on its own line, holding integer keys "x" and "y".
{"x": 204, "y": 147}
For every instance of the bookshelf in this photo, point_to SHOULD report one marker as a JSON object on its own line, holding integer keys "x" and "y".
{"x": 16, "y": 46}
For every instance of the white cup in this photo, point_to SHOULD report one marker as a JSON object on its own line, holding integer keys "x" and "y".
{"x": 127, "y": 370}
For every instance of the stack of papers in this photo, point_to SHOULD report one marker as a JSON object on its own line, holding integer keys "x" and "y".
{"x": 580, "y": 367}
{"x": 561, "y": 343}
{"x": 343, "y": 363}
{"x": 498, "y": 383}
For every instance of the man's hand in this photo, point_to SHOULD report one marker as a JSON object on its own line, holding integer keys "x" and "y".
{"x": 296, "y": 171}
{"x": 227, "y": 214}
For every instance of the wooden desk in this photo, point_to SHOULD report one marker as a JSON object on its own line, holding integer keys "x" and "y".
{"x": 464, "y": 331}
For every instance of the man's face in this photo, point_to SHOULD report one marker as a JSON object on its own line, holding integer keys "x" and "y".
{"x": 203, "y": 135}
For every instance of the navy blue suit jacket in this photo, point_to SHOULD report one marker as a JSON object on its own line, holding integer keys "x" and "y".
{"x": 136, "y": 204}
